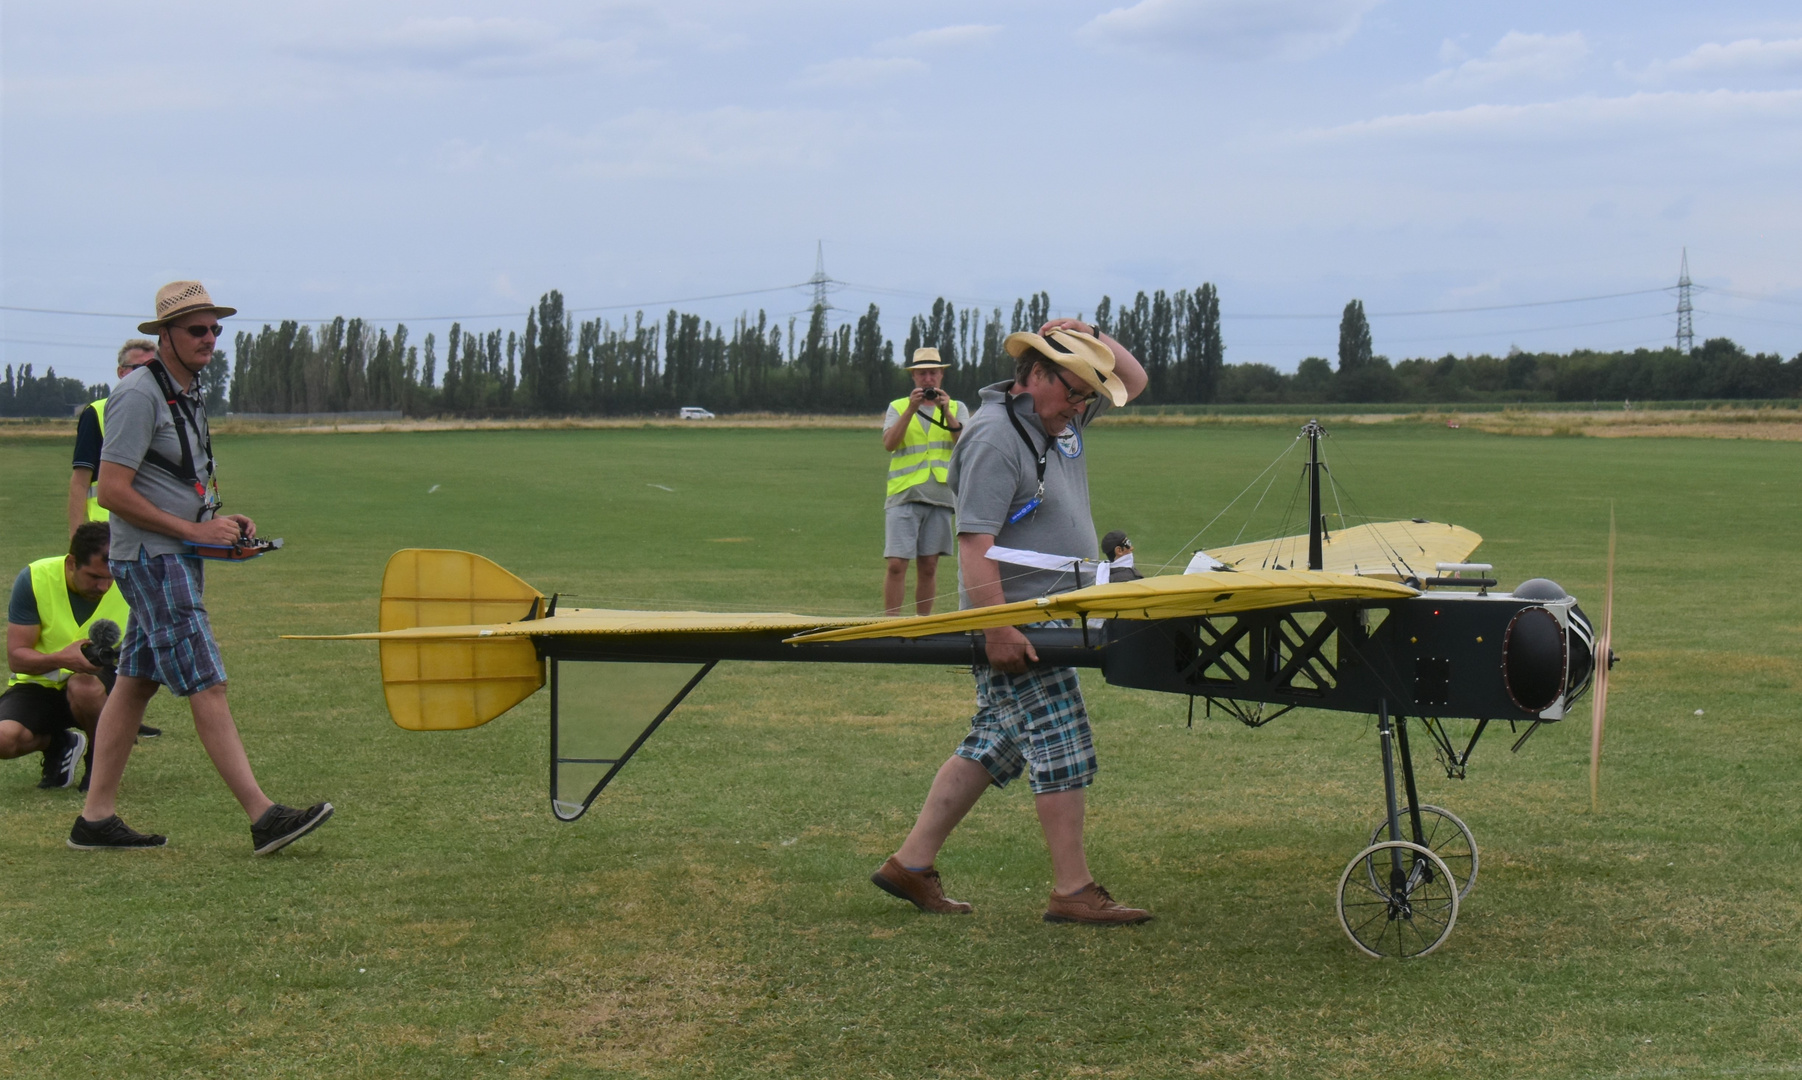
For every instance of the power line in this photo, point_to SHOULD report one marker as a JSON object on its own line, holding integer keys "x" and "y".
{"x": 428, "y": 318}
{"x": 1460, "y": 310}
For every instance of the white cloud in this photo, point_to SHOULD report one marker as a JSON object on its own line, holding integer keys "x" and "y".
{"x": 1749, "y": 56}
{"x": 716, "y": 142}
{"x": 1517, "y": 57}
{"x": 860, "y": 71}
{"x": 1585, "y": 120}
{"x": 1232, "y": 29}
{"x": 464, "y": 46}
{"x": 945, "y": 37}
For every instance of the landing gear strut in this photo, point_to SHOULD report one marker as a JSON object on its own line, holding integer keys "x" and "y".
{"x": 1399, "y": 896}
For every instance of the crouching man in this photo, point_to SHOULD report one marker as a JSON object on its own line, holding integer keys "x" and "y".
{"x": 56, "y": 606}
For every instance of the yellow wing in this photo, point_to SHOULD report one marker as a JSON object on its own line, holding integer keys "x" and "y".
{"x": 1173, "y": 596}
{"x": 1394, "y": 550}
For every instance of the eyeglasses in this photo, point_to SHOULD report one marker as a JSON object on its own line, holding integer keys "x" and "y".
{"x": 199, "y": 332}
{"x": 1071, "y": 392}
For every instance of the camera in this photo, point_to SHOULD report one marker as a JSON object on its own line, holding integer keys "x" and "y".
{"x": 102, "y": 646}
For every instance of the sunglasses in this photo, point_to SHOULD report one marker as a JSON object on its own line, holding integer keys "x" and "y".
{"x": 199, "y": 332}
{"x": 1071, "y": 391}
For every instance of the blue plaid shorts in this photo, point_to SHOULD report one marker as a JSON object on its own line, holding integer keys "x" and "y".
{"x": 1033, "y": 723}
{"x": 169, "y": 639}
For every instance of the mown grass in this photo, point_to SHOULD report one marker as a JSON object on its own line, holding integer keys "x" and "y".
{"x": 711, "y": 915}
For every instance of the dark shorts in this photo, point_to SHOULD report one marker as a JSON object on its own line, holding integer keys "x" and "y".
{"x": 169, "y": 640}
{"x": 41, "y": 710}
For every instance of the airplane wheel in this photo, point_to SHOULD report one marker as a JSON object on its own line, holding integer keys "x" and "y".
{"x": 1447, "y": 837}
{"x": 1397, "y": 899}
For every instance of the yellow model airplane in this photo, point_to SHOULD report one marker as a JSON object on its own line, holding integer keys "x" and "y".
{"x": 1368, "y": 627}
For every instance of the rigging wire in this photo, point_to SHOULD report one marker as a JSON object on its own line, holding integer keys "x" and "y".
{"x": 1254, "y": 480}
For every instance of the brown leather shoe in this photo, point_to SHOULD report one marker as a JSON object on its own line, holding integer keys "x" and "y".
{"x": 920, "y": 888}
{"x": 1092, "y": 904}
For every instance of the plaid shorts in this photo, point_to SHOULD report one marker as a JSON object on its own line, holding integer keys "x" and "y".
{"x": 1035, "y": 719}
{"x": 169, "y": 639}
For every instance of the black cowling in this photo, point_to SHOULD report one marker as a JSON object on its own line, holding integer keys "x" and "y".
{"x": 1533, "y": 656}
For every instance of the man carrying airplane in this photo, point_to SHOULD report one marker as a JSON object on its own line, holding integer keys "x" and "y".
{"x": 157, "y": 479}
{"x": 918, "y": 433}
{"x": 55, "y": 686}
{"x": 1022, "y": 482}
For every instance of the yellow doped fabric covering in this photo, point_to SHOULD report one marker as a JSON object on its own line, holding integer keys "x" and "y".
{"x": 1174, "y": 596}
{"x": 1394, "y": 550}
{"x": 456, "y": 636}
{"x": 449, "y": 685}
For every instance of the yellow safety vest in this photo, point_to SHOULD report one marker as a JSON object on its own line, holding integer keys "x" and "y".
{"x": 921, "y": 453}
{"x": 57, "y": 629}
{"x": 96, "y": 512}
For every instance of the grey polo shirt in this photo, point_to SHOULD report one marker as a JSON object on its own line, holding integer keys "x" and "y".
{"x": 994, "y": 474}
{"x": 138, "y": 421}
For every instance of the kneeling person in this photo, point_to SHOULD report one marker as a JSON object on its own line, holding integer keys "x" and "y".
{"x": 55, "y": 606}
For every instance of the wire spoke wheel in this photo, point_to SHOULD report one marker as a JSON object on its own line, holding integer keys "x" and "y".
{"x": 1444, "y": 835}
{"x": 1397, "y": 898}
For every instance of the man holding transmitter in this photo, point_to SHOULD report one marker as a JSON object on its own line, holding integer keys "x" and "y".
{"x": 1022, "y": 482}
{"x": 918, "y": 433}
{"x": 156, "y": 478}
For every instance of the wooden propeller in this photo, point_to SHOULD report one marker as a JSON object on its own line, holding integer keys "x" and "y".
{"x": 1604, "y": 656}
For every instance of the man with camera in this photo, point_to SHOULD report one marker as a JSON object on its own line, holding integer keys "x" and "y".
{"x": 919, "y": 433}
{"x": 157, "y": 480}
{"x": 62, "y": 635}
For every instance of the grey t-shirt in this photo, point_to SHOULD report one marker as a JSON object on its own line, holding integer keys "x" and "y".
{"x": 929, "y": 491}
{"x": 994, "y": 475}
{"x": 138, "y": 421}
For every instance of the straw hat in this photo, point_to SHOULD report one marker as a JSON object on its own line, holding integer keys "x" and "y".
{"x": 1081, "y": 355}
{"x": 925, "y": 359}
{"x": 180, "y": 298}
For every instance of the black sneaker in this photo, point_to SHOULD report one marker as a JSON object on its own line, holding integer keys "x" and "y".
{"x": 145, "y": 731}
{"x": 282, "y": 825}
{"x": 111, "y": 833}
{"x": 61, "y": 758}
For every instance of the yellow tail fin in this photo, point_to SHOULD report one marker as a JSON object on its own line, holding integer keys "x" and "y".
{"x": 452, "y": 685}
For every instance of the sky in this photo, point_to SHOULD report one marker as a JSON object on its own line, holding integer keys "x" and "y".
{"x": 410, "y": 161}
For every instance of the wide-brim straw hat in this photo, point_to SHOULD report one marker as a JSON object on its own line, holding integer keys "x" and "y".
{"x": 1081, "y": 355}
{"x": 925, "y": 359}
{"x": 180, "y": 298}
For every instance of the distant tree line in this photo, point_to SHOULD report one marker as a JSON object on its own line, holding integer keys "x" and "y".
{"x": 23, "y": 394}
{"x": 561, "y": 366}
{"x": 1718, "y": 369}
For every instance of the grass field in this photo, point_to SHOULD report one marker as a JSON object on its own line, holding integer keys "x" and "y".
{"x": 711, "y": 917}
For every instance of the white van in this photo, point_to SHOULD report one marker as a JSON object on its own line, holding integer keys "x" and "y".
{"x": 693, "y": 412}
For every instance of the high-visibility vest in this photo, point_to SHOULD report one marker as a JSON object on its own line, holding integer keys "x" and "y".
{"x": 57, "y": 628}
{"x": 96, "y": 512}
{"x": 922, "y": 453}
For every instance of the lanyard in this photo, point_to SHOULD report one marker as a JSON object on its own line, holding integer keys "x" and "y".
{"x": 1039, "y": 455}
